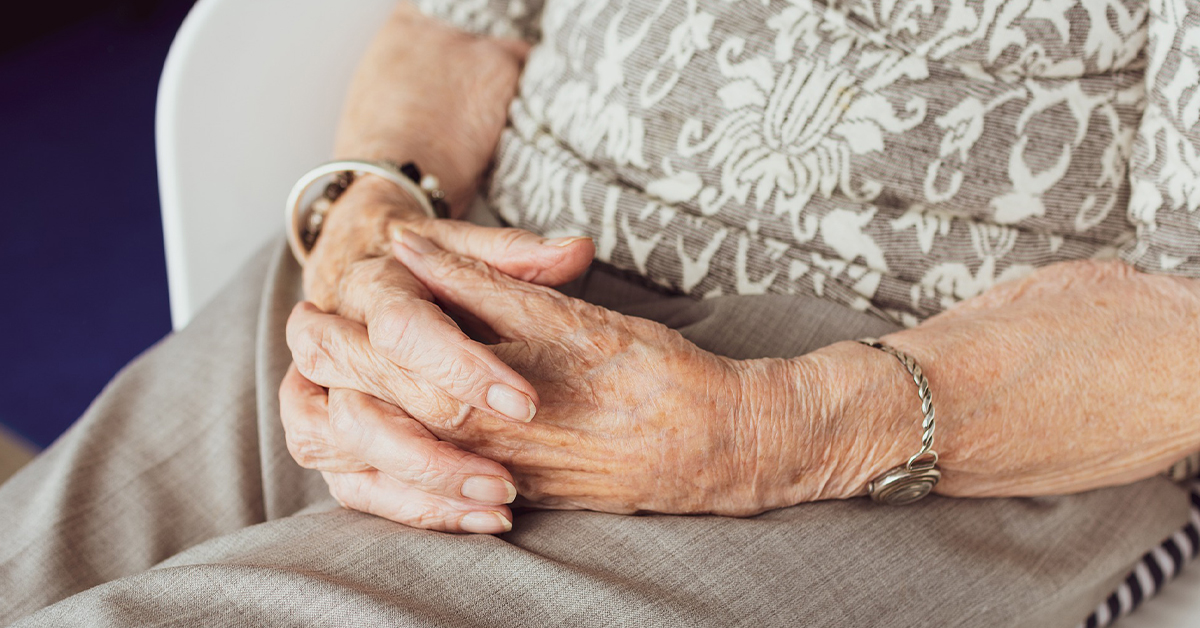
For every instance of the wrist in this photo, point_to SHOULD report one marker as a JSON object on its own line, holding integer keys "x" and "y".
{"x": 356, "y": 228}
{"x": 833, "y": 420}
{"x": 453, "y": 177}
{"x": 877, "y": 396}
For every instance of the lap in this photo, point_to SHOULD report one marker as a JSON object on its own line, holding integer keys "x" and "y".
{"x": 181, "y": 465}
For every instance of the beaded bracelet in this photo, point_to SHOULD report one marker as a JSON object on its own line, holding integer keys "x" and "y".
{"x": 306, "y": 211}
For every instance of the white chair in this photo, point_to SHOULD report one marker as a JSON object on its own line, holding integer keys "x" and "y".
{"x": 248, "y": 102}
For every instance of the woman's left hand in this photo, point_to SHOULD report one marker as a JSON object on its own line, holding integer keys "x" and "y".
{"x": 633, "y": 417}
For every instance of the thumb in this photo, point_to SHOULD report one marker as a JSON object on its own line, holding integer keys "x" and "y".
{"x": 515, "y": 252}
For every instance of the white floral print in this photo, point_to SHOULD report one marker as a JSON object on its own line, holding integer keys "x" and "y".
{"x": 896, "y": 156}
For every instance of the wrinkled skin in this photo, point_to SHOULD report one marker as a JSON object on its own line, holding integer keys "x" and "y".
{"x": 427, "y": 93}
{"x": 633, "y": 416}
{"x": 1082, "y": 375}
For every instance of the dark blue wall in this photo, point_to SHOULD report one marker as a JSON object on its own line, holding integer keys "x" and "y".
{"x": 82, "y": 274}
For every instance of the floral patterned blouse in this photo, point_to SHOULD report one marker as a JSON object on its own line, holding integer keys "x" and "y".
{"x": 896, "y": 156}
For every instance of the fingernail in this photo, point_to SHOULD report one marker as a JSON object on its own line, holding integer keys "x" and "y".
{"x": 511, "y": 403}
{"x": 564, "y": 242}
{"x": 489, "y": 489}
{"x": 485, "y": 523}
{"x": 415, "y": 242}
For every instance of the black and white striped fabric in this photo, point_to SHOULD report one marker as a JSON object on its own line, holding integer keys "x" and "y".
{"x": 1157, "y": 567}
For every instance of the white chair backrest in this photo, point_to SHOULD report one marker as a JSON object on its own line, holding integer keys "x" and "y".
{"x": 248, "y": 101}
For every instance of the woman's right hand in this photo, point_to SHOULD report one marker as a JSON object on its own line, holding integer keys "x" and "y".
{"x": 427, "y": 93}
{"x": 441, "y": 486}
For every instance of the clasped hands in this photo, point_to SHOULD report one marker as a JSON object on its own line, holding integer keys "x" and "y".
{"x": 597, "y": 410}
{"x": 628, "y": 416}
{"x": 410, "y": 419}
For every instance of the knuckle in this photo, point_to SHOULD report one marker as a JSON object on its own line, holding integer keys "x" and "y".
{"x": 418, "y": 223}
{"x": 295, "y": 325}
{"x": 351, "y": 491}
{"x": 428, "y": 468}
{"x": 358, "y": 280}
{"x": 594, "y": 315}
{"x": 445, "y": 414}
{"x": 316, "y": 349}
{"x": 436, "y": 466}
{"x": 455, "y": 267}
{"x": 307, "y": 449}
{"x": 430, "y": 514}
{"x": 458, "y": 417}
{"x": 390, "y": 330}
{"x": 460, "y": 371}
{"x": 509, "y": 239}
{"x": 304, "y": 344}
{"x": 426, "y": 517}
{"x": 346, "y": 426}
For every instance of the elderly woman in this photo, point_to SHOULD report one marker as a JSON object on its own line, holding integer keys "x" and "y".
{"x": 1005, "y": 196}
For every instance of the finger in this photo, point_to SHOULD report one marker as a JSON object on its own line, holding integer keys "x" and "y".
{"x": 407, "y": 328}
{"x": 514, "y": 252}
{"x": 512, "y": 308}
{"x": 378, "y": 494}
{"x": 336, "y": 353}
{"x": 302, "y": 408}
{"x": 389, "y": 440}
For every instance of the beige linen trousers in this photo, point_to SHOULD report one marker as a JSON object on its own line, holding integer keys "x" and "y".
{"x": 173, "y": 501}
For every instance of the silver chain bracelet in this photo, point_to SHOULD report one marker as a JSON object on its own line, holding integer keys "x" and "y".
{"x": 916, "y": 478}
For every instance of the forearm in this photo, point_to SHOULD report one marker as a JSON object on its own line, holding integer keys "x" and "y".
{"x": 1086, "y": 375}
{"x": 1097, "y": 387}
{"x": 426, "y": 93}
{"x": 826, "y": 423}
{"x": 412, "y": 139}
{"x": 429, "y": 93}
